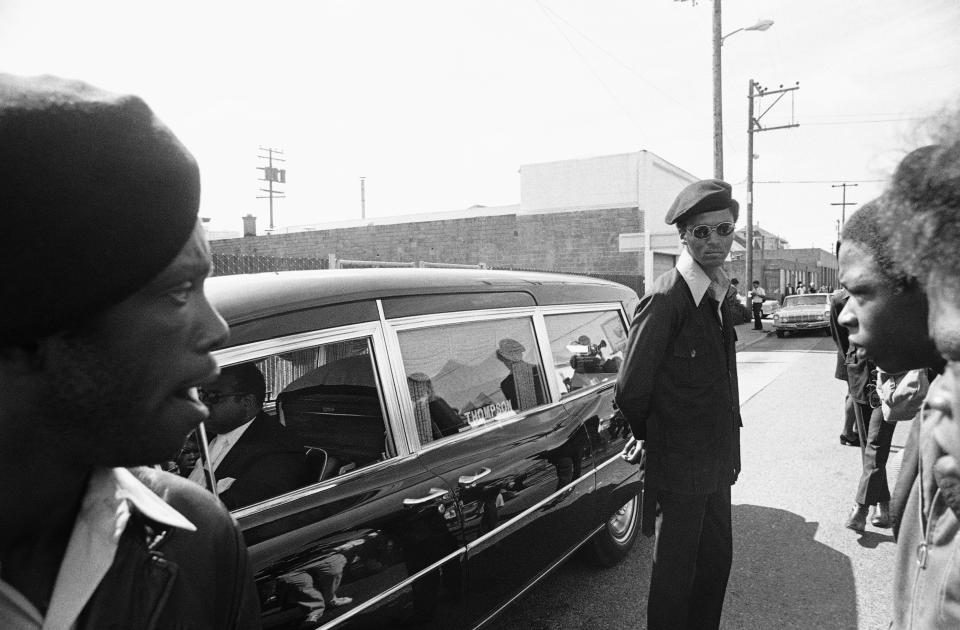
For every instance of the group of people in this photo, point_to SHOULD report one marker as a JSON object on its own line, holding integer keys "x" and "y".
{"x": 897, "y": 325}
{"x": 108, "y": 334}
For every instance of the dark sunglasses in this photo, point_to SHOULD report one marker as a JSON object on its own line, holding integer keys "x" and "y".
{"x": 723, "y": 229}
{"x": 215, "y": 397}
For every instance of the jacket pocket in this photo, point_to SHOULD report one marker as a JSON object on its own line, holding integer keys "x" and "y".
{"x": 688, "y": 364}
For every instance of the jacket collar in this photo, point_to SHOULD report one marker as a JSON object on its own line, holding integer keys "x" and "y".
{"x": 699, "y": 282}
{"x": 146, "y": 502}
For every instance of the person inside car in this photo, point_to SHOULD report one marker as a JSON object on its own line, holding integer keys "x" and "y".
{"x": 104, "y": 335}
{"x": 253, "y": 456}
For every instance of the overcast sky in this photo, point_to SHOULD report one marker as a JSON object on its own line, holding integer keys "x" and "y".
{"x": 438, "y": 103}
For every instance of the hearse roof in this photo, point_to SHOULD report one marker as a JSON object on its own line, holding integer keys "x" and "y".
{"x": 251, "y": 296}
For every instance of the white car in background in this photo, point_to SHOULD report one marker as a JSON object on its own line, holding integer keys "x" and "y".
{"x": 803, "y": 312}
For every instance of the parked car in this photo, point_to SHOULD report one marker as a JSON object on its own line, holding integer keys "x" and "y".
{"x": 810, "y": 311}
{"x": 458, "y": 433}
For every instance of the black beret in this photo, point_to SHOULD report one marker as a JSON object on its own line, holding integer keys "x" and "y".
{"x": 97, "y": 197}
{"x": 705, "y": 195}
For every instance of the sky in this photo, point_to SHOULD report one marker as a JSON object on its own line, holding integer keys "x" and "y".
{"x": 437, "y": 103}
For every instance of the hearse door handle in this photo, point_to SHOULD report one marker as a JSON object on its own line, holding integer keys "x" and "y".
{"x": 435, "y": 494}
{"x": 469, "y": 480}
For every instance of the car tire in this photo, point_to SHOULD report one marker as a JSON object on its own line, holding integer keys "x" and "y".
{"x": 780, "y": 334}
{"x": 611, "y": 544}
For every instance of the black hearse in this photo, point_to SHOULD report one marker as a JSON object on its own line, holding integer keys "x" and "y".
{"x": 458, "y": 433}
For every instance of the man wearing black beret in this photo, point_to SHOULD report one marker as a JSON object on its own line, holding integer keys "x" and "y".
{"x": 678, "y": 392}
{"x": 105, "y": 333}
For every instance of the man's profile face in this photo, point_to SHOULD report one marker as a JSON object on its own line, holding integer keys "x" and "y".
{"x": 888, "y": 326}
{"x": 945, "y": 397}
{"x": 709, "y": 252}
{"x": 122, "y": 390}
{"x": 229, "y": 406}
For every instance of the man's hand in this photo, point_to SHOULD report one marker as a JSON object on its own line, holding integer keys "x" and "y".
{"x": 632, "y": 451}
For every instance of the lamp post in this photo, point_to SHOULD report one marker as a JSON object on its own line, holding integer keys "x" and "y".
{"x": 761, "y": 25}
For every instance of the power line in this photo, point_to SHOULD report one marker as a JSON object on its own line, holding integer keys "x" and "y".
{"x": 862, "y": 122}
{"x": 609, "y": 91}
{"x": 819, "y": 181}
{"x": 612, "y": 56}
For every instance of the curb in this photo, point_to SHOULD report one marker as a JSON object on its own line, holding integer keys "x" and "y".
{"x": 745, "y": 343}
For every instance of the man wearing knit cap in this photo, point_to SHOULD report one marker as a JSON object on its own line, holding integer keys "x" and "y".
{"x": 105, "y": 333}
{"x": 678, "y": 392}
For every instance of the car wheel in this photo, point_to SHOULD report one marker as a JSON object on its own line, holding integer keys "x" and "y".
{"x": 780, "y": 334}
{"x": 612, "y": 543}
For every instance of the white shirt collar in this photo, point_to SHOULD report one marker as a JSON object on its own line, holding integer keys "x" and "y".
{"x": 699, "y": 282}
{"x": 102, "y": 519}
{"x": 218, "y": 449}
{"x": 222, "y": 444}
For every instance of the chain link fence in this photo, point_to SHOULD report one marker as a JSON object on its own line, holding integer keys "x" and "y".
{"x": 232, "y": 264}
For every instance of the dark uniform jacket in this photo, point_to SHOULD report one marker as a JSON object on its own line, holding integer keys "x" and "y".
{"x": 678, "y": 389}
{"x": 267, "y": 461}
{"x": 163, "y": 577}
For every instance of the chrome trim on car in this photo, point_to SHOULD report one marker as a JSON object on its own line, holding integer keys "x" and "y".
{"x": 313, "y": 489}
{"x": 353, "y": 612}
{"x": 257, "y": 349}
{"x": 590, "y": 389}
{"x": 555, "y": 309}
{"x": 565, "y": 491}
{"x": 612, "y": 460}
{"x": 458, "y": 317}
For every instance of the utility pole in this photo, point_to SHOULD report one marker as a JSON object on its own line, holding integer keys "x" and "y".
{"x": 843, "y": 204}
{"x": 843, "y": 211}
{"x": 718, "y": 39}
{"x": 717, "y": 95}
{"x": 756, "y": 91}
{"x": 271, "y": 175}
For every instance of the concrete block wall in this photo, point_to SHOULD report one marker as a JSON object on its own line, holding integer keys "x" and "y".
{"x": 580, "y": 241}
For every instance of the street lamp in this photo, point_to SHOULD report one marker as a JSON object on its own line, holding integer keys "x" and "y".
{"x": 761, "y": 25}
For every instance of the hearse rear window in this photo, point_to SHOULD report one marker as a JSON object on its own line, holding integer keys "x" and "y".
{"x": 587, "y": 348}
{"x": 463, "y": 376}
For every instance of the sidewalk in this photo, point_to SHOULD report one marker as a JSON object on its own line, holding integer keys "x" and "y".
{"x": 747, "y": 336}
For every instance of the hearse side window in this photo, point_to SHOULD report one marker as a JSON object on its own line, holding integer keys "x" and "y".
{"x": 315, "y": 414}
{"x": 462, "y": 376}
{"x": 587, "y": 348}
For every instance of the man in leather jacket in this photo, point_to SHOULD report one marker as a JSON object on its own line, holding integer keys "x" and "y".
{"x": 105, "y": 333}
{"x": 678, "y": 392}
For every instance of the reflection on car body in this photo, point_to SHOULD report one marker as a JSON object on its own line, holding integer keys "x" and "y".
{"x": 458, "y": 433}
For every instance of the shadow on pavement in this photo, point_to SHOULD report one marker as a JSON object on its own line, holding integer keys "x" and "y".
{"x": 871, "y": 540}
{"x": 783, "y": 578}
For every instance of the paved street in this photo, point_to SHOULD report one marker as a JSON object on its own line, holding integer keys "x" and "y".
{"x": 795, "y": 565}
